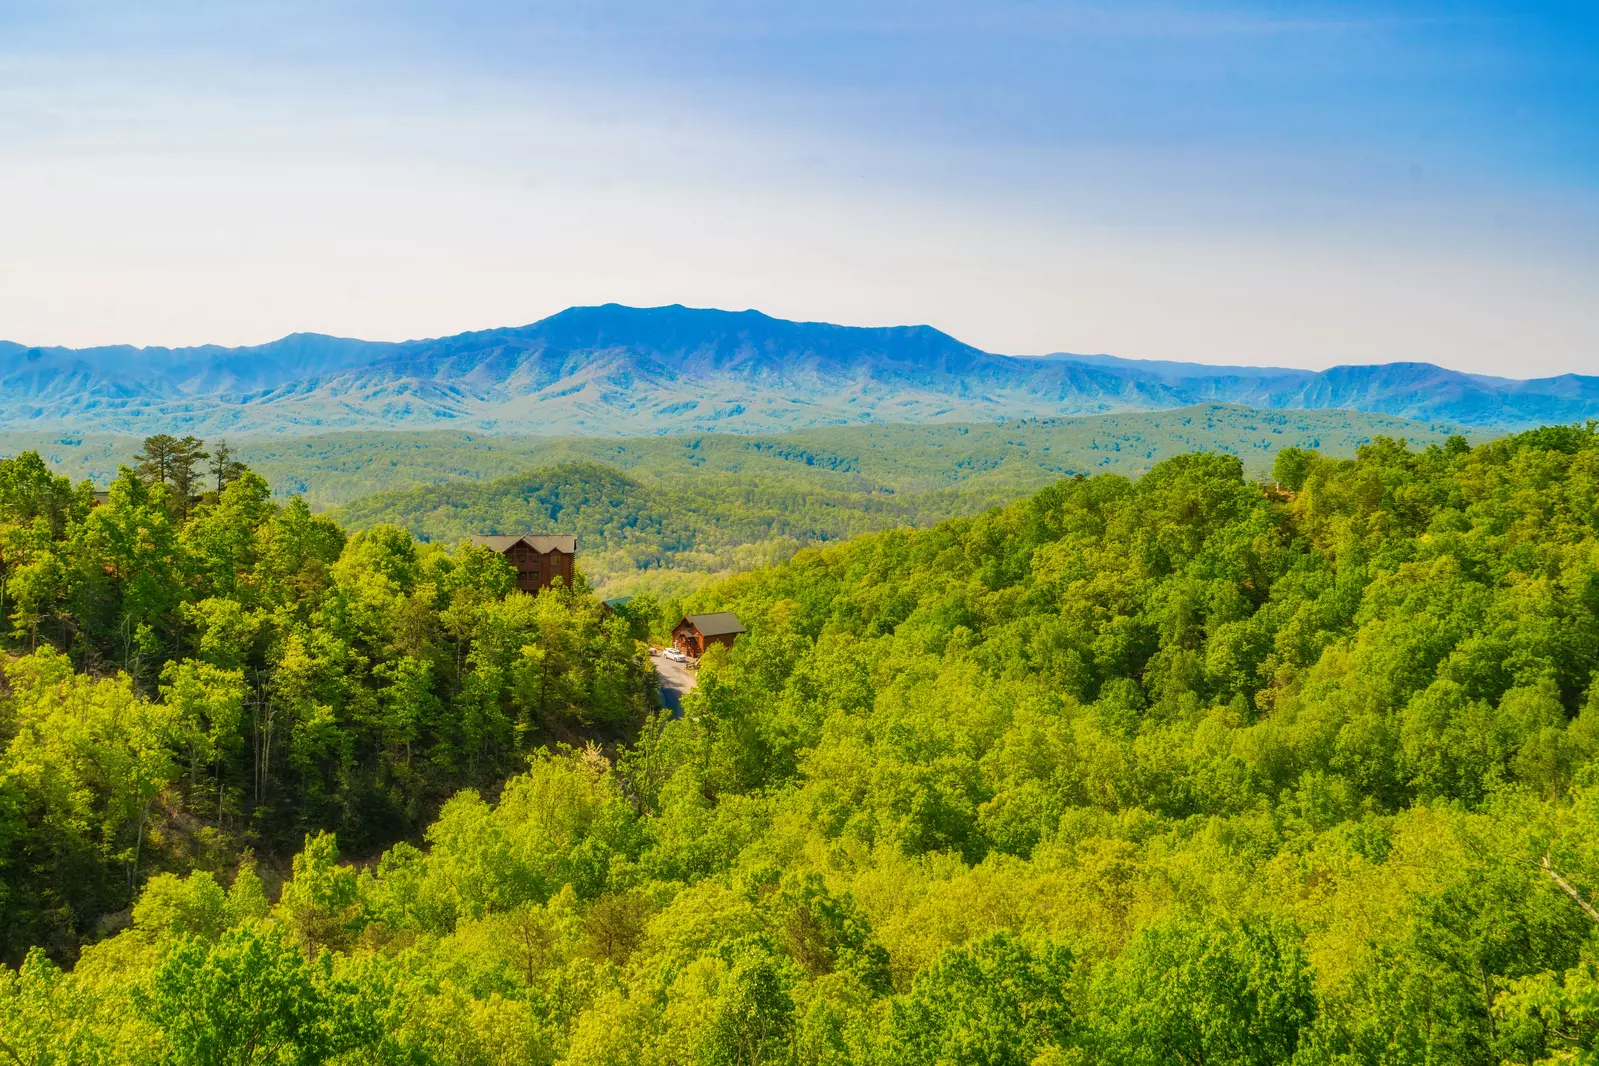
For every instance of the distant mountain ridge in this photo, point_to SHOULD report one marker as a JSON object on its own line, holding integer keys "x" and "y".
{"x": 617, "y": 371}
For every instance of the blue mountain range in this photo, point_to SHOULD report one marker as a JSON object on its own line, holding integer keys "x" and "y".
{"x": 628, "y": 371}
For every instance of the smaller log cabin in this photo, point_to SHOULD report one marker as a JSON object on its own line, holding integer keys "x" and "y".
{"x": 539, "y": 560}
{"x": 696, "y": 632}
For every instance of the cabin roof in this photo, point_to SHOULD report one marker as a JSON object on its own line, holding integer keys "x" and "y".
{"x": 557, "y": 542}
{"x": 618, "y": 601}
{"x": 720, "y": 624}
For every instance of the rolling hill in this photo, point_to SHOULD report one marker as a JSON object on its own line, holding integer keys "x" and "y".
{"x": 1000, "y": 459}
{"x": 666, "y": 513}
{"x": 621, "y": 371}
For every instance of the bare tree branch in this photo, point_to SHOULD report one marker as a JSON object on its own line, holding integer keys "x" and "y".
{"x": 1567, "y": 888}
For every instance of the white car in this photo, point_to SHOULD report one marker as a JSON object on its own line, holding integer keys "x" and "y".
{"x": 675, "y": 655}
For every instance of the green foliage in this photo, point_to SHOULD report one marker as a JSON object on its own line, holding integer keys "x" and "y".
{"x": 199, "y": 672}
{"x": 660, "y": 513}
{"x": 171, "y": 906}
{"x": 1017, "y": 455}
{"x": 249, "y": 997}
{"x": 627, "y": 527}
{"x": 1223, "y": 993}
{"x": 43, "y": 1020}
{"x": 1188, "y": 769}
{"x": 995, "y": 1003}
{"x": 1291, "y": 467}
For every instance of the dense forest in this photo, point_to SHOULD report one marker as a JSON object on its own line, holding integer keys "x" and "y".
{"x": 196, "y": 670}
{"x": 665, "y": 515}
{"x": 655, "y": 535}
{"x": 1011, "y": 457}
{"x": 1189, "y": 769}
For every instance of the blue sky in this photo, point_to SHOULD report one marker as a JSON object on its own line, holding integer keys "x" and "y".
{"x": 1288, "y": 183}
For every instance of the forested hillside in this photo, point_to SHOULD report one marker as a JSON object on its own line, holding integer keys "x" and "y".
{"x": 196, "y": 672}
{"x": 1183, "y": 769}
{"x": 1013, "y": 457}
{"x": 665, "y": 534}
{"x": 665, "y": 514}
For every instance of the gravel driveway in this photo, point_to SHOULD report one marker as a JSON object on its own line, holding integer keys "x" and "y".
{"x": 676, "y": 680}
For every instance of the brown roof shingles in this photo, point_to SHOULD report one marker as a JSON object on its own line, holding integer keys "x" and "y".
{"x": 561, "y": 542}
{"x": 720, "y": 624}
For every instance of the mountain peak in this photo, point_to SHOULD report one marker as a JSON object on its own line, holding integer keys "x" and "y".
{"x": 613, "y": 369}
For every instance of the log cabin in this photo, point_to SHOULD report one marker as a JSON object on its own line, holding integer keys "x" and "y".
{"x": 538, "y": 560}
{"x": 696, "y": 632}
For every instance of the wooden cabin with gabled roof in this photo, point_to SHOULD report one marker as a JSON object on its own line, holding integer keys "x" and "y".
{"x": 538, "y": 559}
{"x": 696, "y": 632}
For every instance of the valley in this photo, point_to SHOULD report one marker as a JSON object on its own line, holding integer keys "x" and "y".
{"x": 667, "y": 513}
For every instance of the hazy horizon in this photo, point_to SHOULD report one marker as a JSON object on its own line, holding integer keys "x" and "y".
{"x": 1058, "y": 353}
{"x": 1304, "y": 185}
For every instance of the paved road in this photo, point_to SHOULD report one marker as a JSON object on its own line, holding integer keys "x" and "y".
{"x": 676, "y": 680}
